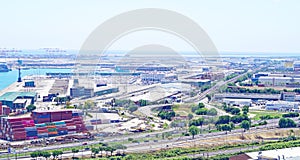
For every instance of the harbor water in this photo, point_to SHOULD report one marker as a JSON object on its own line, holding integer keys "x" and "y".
{"x": 7, "y": 78}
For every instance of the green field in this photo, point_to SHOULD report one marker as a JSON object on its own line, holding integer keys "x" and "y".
{"x": 258, "y": 114}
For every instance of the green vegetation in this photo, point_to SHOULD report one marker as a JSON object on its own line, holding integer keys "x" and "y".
{"x": 212, "y": 112}
{"x": 197, "y": 122}
{"x": 231, "y": 89}
{"x": 265, "y": 115}
{"x": 30, "y": 108}
{"x": 190, "y": 116}
{"x": 246, "y": 125}
{"x": 231, "y": 76}
{"x": 232, "y": 110}
{"x": 166, "y": 115}
{"x": 225, "y": 127}
{"x": 201, "y": 111}
{"x": 292, "y": 114}
{"x": 194, "y": 130}
{"x": 238, "y": 118}
{"x": 286, "y": 123}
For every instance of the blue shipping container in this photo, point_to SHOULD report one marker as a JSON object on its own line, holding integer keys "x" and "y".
{"x": 44, "y": 116}
{"x": 30, "y": 129}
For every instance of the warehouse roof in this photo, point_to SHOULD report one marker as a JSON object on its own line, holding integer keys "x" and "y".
{"x": 11, "y": 96}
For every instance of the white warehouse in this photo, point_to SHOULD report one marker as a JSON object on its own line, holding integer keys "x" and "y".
{"x": 277, "y": 81}
{"x": 237, "y": 102}
{"x": 282, "y": 105}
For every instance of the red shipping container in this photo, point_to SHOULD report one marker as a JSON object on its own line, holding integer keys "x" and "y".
{"x": 16, "y": 123}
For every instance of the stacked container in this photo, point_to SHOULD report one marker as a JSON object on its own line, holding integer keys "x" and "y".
{"x": 55, "y": 116}
{"x": 41, "y": 117}
{"x": 14, "y": 128}
{"x": 31, "y": 132}
{"x": 41, "y": 124}
{"x": 42, "y": 131}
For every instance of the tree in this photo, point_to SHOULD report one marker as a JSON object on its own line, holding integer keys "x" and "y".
{"x": 74, "y": 150}
{"x": 95, "y": 151}
{"x": 201, "y": 105}
{"x": 201, "y": 111}
{"x": 245, "y": 110}
{"x": 166, "y": 115}
{"x": 208, "y": 97}
{"x": 30, "y": 108}
{"x": 101, "y": 148}
{"x": 46, "y": 154}
{"x": 56, "y": 153}
{"x": 34, "y": 154}
{"x": 194, "y": 130}
{"x": 143, "y": 102}
{"x": 190, "y": 116}
{"x": 197, "y": 122}
{"x": 286, "y": 123}
{"x": 246, "y": 125}
{"x": 212, "y": 112}
{"x": 225, "y": 127}
{"x": 223, "y": 120}
{"x": 292, "y": 114}
{"x": 110, "y": 149}
{"x": 235, "y": 111}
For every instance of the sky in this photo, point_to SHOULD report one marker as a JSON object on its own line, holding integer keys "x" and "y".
{"x": 233, "y": 25}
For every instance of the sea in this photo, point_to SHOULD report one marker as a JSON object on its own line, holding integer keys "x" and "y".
{"x": 7, "y": 78}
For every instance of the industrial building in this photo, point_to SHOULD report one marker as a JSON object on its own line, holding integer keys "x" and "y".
{"x": 18, "y": 100}
{"x": 297, "y": 66}
{"x": 278, "y": 81}
{"x": 288, "y": 96}
{"x": 282, "y": 106}
{"x": 81, "y": 92}
{"x": 237, "y": 102}
{"x": 151, "y": 78}
{"x": 90, "y": 90}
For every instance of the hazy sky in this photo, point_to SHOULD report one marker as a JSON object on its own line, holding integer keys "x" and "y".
{"x": 233, "y": 25}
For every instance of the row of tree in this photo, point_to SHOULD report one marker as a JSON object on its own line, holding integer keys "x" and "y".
{"x": 166, "y": 114}
{"x": 46, "y": 154}
{"x": 201, "y": 110}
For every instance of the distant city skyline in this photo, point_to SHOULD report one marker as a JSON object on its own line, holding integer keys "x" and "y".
{"x": 234, "y": 26}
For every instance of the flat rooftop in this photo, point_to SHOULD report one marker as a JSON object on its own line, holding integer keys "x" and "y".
{"x": 20, "y": 101}
{"x": 11, "y": 96}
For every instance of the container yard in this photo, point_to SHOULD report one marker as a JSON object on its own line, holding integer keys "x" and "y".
{"x": 42, "y": 124}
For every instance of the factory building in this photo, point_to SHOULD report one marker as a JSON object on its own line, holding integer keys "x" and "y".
{"x": 256, "y": 76}
{"x": 282, "y": 106}
{"x": 297, "y": 66}
{"x": 288, "y": 96}
{"x": 151, "y": 78}
{"x": 278, "y": 81}
{"x": 91, "y": 90}
{"x": 18, "y": 100}
{"x": 81, "y": 92}
{"x": 237, "y": 102}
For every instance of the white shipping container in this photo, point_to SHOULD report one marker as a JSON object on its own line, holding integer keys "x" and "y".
{"x": 105, "y": 121}
{"x": 71, "y": 127}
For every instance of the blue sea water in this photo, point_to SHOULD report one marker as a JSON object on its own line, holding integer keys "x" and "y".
{"x": 7, "y": 78}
